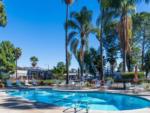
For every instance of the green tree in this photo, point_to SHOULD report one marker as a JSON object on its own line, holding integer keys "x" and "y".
{"x": 67, "y": 2}
{"x": 92, "y": 61}
{"x": 124, "y": 8}
{"x": 147, "y": 62}
{"x": 80, "y": 26}
{"x": 3, "y": 18}
{"x": 34, "y": 61}
{"x": 103, "y": 4}
{"x": 141, "y": 32}
{"x": 111, "y": 44}
{"x": 18, "y": 53}
{"x": 59, "y": 70}
{"x": 7, "y": 57}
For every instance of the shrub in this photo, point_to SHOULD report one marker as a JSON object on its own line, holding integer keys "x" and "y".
{"x": 88, "y": 84}
{"x": 110, "y": 79}
{"x": 4, "y": 76}
{"x": 130, "y": 76}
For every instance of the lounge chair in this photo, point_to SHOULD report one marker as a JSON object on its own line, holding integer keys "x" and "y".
{"x": 97, "y": 84}
{"x": 9, "y": 83}
{"x": 27, "y": 83}
{"x": 138, "y": 88}
{"x": 18, "y": 84}
{"x": 34, "y": 82}
{"x": 108, "y": 84}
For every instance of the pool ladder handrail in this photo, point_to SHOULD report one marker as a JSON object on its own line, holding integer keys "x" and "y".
{"x": 76, "y": 109}
{"x": 77, "y": 104}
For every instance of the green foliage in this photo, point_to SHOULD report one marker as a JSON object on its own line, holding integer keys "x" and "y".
{"x": 130, "y": 75}
{"x": 4, "y": 76}
{"x": 147, "y": 61}
{"x": 3, "y": 18}
{"x": 111, "y": 44}
{"x": 134, "y": 57}
{"x": 34, "y": 61}
{"x": 80, "y": 26}
{"x": 59, "y": 71}
{"x": 7, "y": 57}
{"x": 92, "y": 61}
{"x": 18, "y": 53}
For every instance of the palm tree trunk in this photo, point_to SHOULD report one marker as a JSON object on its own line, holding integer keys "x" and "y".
{"x": 66, "y": 45}
{"x": 81, "y": 67}
{"x": 124, "y": 43}
{"x": 112, "y": 69}
{"x": 16, "y": 69}
{"x": 82, "y": 58}
{"x": 143, "y": 50}
{"x": 101, "y": 46}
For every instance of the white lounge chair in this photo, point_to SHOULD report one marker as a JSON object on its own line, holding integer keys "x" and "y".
{"x": 97, "y": 83}
{"x": 34, "y": 82}
{"x": 108, "y": 84}
{"x": 138, "y": 89}
{"x": 18, "y": 84}
{"x": 9, "y": 83}
{"x": 27, "y": 83}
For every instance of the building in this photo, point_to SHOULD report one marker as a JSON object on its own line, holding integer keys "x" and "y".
{"x": 30, "y": 73}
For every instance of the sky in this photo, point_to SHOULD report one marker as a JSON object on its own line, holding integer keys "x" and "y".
{"x": 37, "y": 26}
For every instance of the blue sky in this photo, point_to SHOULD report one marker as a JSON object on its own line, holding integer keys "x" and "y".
{"x": 36, "y": 26}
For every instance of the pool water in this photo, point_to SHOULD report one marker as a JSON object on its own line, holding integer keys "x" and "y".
{"x": 93, "y": 100}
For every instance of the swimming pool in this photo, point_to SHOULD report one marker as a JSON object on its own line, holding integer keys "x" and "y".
{"x": 94, "y": 100}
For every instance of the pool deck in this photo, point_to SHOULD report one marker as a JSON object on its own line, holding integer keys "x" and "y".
{"x": 10, "y": 104}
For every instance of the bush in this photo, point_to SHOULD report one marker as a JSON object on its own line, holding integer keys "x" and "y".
{"x": 4, "y": 76}
{"x": 146, "y": 86}
{"x": 88, "y": 84}
{"x": 130, "y": 76}
{"x": 110, "y": 79}
{"x": 49, "y": 82}
{"x": 1, "y": 84}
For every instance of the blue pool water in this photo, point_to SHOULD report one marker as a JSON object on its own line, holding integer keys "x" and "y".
{"x": 94, "y": 100}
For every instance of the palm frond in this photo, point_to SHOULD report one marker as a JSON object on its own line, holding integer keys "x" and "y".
{"x": 72, "y": 35}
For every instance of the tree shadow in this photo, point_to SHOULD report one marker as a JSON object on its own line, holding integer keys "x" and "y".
{"x": 18, "y": 103}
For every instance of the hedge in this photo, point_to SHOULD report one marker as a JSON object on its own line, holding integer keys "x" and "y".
{"x": 130, "y": 75}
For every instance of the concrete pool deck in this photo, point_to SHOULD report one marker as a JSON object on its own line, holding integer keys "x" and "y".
{"x": 10, "y": 104}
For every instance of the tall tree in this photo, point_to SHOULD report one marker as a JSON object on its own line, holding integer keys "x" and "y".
{"x": 59, "y": 70}
{"x": 18, "y": 53}
{"x": 99, "y": 35}
{"x": 92, "y": 61}
{"x": 141, "y": 32}
{"x": 3, "y": 18}
{"x": 125, "y": 8}
{"x": 111, "y": 44}
{"x": 34, "y": 61}
{"x": 67, "y": 2}
{"x": 147, "y": 62}
{"x": 80, "y": 26}
{"x": 7, "y": 57}
{"x": 105, "y": 16}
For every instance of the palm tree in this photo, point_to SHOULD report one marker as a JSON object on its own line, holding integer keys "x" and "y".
{"x": 18, "y": 53}
{"x": 141, "y": 27}
{"x": 80, "y": 26}
{"x": 103, "y": 5}
{"x": 124, "y": 8}
{"x": 67, "y": 2}
{"x": 3, "y": 18}
{"x": 34, "y": 61}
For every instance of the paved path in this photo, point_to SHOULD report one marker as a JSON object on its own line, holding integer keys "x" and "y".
{"x": 17, "y": 105}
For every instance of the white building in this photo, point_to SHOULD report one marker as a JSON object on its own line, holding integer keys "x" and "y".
{"x": 20, "y": 74}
